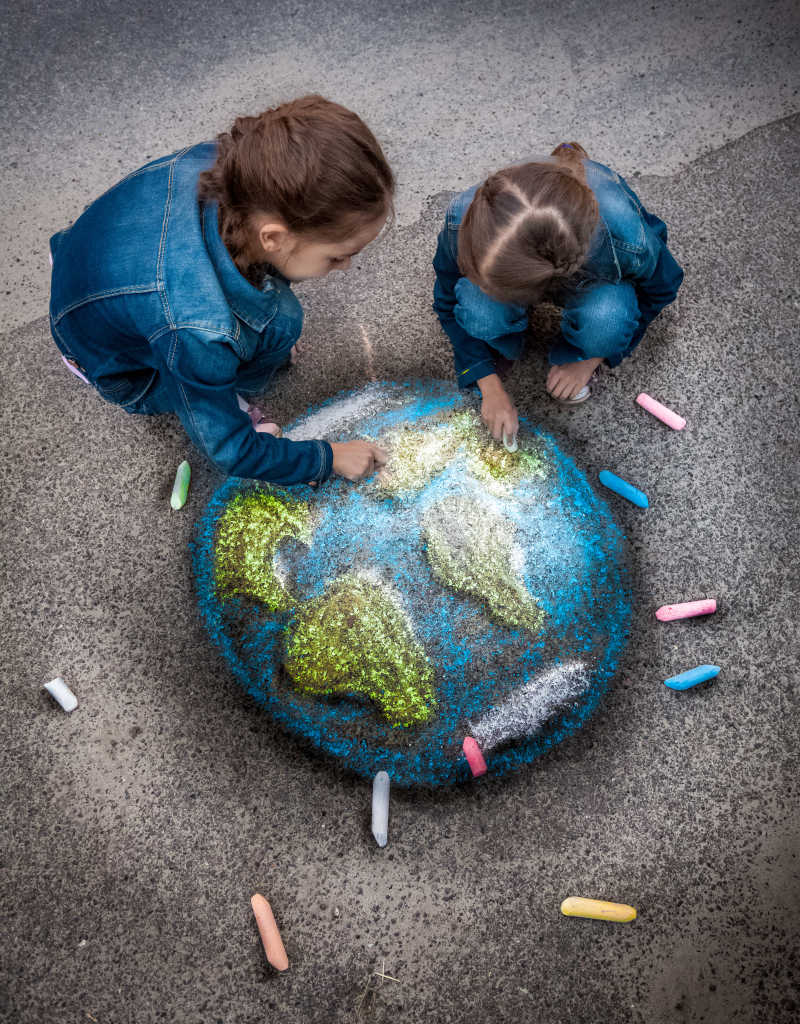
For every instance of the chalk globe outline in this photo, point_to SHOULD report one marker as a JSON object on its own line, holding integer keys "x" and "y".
{"x": 324, "y": 724}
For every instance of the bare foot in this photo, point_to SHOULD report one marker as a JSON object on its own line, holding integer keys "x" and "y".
{"x": 294, "y": 354}
{"x": 565, "y": 381}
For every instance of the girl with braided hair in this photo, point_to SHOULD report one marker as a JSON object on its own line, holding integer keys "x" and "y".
{"x": 565, "y": 229}
{"x": 172, "y": 292}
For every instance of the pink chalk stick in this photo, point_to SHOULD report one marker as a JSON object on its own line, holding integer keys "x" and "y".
{"x": 473, "y": 754}
{"x": 661, "y": 412}
{"x": 668, "y": 612}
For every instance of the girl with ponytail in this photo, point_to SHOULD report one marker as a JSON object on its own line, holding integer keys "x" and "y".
{"x": 172, "y": 292}
{"x": 563, "y": 228}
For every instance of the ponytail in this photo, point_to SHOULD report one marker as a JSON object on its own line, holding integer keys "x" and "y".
{"x": 310, "y": 162}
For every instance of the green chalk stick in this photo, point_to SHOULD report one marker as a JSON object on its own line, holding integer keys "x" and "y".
{"x": 181, "y": 486}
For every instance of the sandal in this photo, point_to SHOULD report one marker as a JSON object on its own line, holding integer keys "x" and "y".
{"x": 584, "y": 393}
{"x": 258, "y": 417}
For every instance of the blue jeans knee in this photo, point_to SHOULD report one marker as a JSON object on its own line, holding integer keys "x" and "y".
{"x": 598, "y": 322}
{"x": 485, "y": 318}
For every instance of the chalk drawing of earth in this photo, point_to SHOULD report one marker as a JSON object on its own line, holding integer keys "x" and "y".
{"x": 464, "y": 591}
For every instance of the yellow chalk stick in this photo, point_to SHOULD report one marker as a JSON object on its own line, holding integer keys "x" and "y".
{"x": 598, "y": 910}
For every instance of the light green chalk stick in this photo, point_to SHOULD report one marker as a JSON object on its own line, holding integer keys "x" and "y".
{"x": 180, "y": 488}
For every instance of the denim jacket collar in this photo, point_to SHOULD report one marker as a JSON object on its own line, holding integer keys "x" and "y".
{"x": 254, "y": 307}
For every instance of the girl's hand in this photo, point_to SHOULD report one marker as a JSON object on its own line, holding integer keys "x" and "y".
{"x": 356, "y": 459}
{"x": 497, "y": 409}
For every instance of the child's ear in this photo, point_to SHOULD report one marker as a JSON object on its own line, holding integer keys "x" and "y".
{"x": 272, "y": 236}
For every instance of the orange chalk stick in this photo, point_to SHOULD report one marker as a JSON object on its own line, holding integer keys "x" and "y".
{"x": 268, "y": 930}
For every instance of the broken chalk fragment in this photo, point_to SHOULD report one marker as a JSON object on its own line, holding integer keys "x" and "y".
{"x": 472, "y": 752}
{"x": 59, "y": 690}
{"x": 687, "y": 610}
{"x": 510, "y": 442}
{"x": 661, "y": 412}
{"x": 692, "y": 677}
{"x": 180, "y": 488}
{"x": 268, "y": 930}
{"x": 380, "y": 808}
{"x": 597, "y": 910}
{"x": 623, "y": 488}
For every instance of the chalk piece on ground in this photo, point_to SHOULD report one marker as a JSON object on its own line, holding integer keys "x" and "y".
{"x": 623, "y": 488}
{"x": 510, "y": 443}
{"x": 661, "y": 412}
{"x": 380, "y": 808}
{"x": 59, "y": 690}
{"x": 180, "y": 488}
{"x": 268, "y": 930}
{"x": 597, "y": 910}
{"x": 475, "y": 759}
{"x": 692, "y": 677}
{"x": 687, "y": 610}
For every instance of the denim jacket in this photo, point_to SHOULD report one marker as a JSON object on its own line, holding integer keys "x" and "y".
{"x": 145, "y": 291}
{"x": 629, "y": 244}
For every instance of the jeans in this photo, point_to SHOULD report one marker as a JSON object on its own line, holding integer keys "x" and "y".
{"x": 599, "y": 319}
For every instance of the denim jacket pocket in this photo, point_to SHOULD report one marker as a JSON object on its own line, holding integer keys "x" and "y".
{"x": 125, "y": 389}
{"x": 277, "y": 332}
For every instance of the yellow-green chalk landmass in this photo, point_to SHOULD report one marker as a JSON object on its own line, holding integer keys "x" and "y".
{"x": 470, "y": 549}
{"x": 249, "y": 533}
{"x": 418, "y": 454}
{"x": 356, "y": 639}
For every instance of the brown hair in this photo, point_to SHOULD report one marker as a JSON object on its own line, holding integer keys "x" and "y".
{"x": 528, "y": 225}
{"x": 310, "y": 162}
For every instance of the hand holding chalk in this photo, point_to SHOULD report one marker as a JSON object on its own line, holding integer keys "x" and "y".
{"x": 510, "y": 442}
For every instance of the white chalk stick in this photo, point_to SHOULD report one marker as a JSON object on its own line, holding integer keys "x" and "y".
{"x": 510, "y": 442}
{"x": 380, "y": 808}
{"x": 59, "y": 690}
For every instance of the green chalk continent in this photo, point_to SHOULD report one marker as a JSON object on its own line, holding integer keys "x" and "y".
{"x": 418, "y": 454}
{"x": 356, "y": 639}
{"x": 250, "y": 530}
{"x": 470, "y": 549}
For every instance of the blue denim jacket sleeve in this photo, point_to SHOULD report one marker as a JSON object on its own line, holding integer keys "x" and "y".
{"x": 640, "y": 241}
{"x": 199, "y": 372}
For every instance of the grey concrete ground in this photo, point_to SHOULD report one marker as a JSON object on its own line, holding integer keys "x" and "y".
{"x": 137, "y": 828}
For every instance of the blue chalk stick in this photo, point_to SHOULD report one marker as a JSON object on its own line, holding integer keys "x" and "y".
{"x": 692, "y": 676}
{"x": 623, "y": 488}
